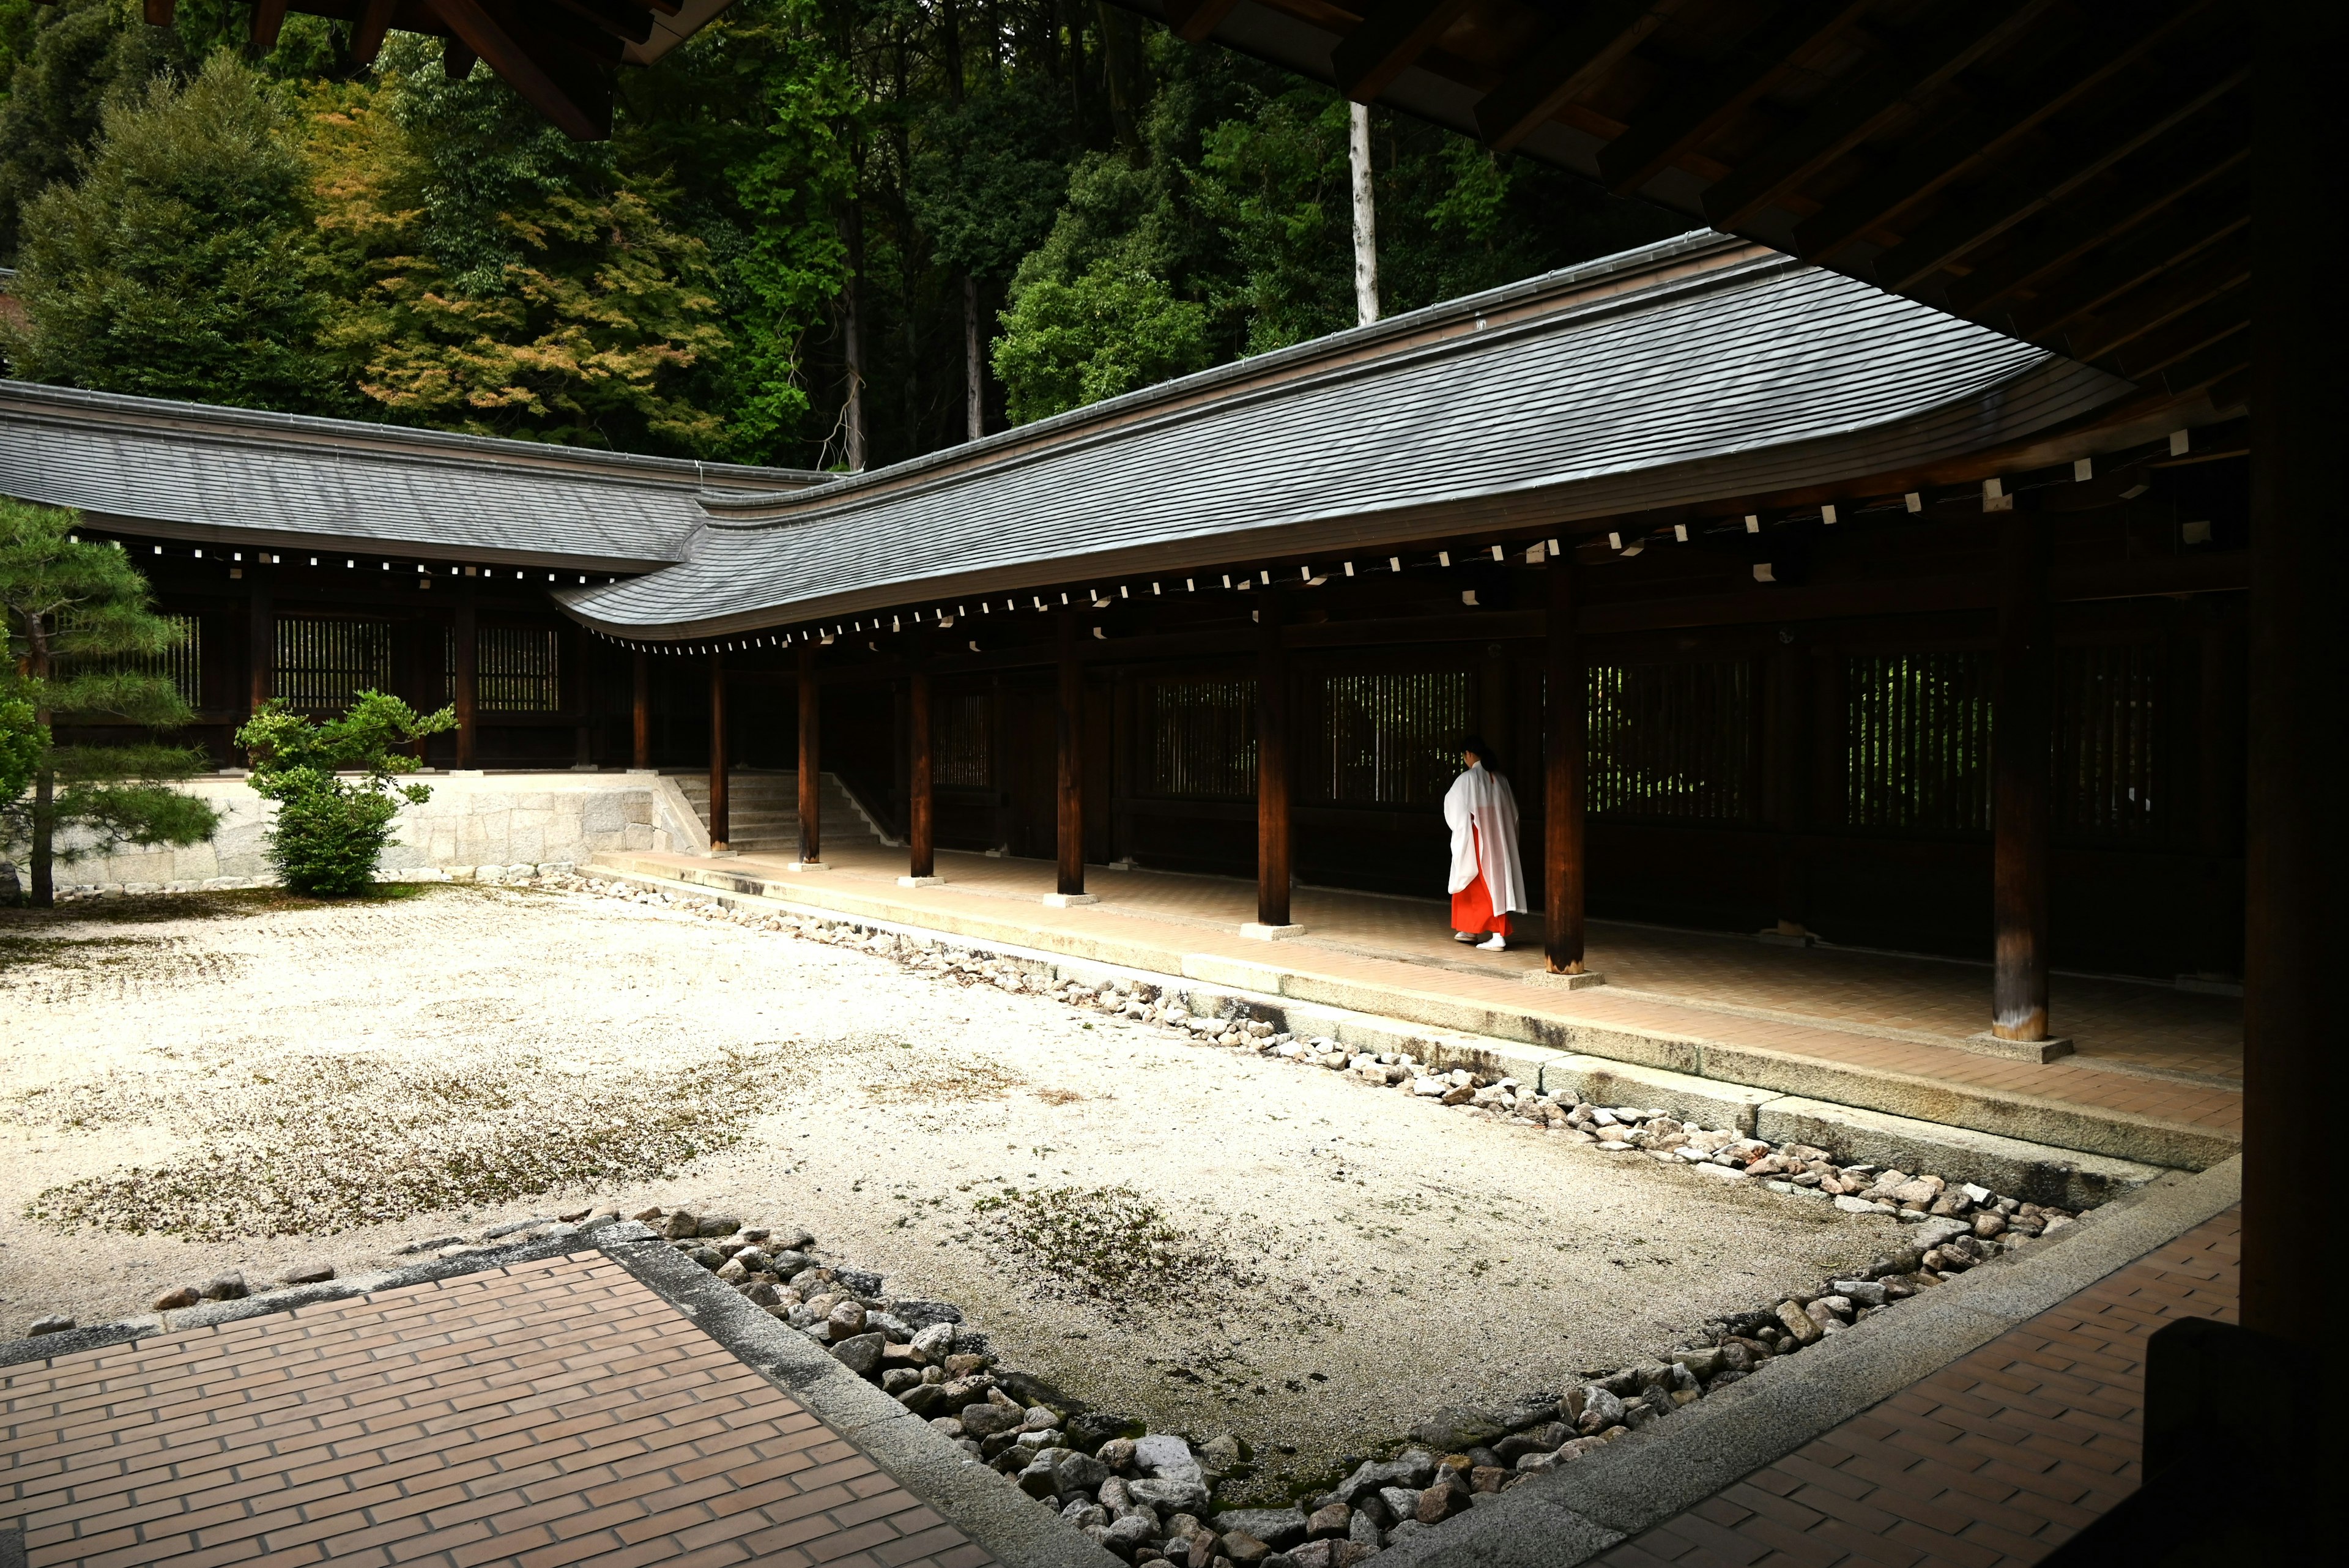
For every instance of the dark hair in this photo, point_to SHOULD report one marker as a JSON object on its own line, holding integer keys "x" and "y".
{"x": 1485, "y": 753}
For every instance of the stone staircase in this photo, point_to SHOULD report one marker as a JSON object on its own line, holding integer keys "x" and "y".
{"x": 762, "y": 812}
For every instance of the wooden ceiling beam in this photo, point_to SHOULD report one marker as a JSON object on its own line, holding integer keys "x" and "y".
{"x": 2223, "y": 266}
{"x": 2207, "y": 219}
{"x": 2189, "y": 335}
{"x": 621, "y": 19}
{"x": 367, "y": 33}
{"x": 1195, "y": 21}
{"x": 2178, "y": 165}
{"x": 159, "y": 13}
{"x": 2226, "y": 360}
{"x": 556, "y": 90}
{"x": 457, "y": 60}
{"x": 1689, "y": 117}
{"x": 268, "y": 21}
{"x": 2012, "y": 194}
{"x": 1563, "y": 66}
{"x": 1860, "y": 105}
{"x": 1391, "y": 36}
{"x": 1972, "y": 141}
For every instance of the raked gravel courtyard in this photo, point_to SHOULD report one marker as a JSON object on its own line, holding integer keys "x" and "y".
{"x": 1228, "y": 1242}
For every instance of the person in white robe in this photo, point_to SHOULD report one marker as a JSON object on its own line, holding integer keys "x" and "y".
{"x": 1488, "y": 879}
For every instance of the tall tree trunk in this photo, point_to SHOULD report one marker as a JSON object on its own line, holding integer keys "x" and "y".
{"x": 1366, "y": 219}
{"x": 974, "y": 364}
{"x": 853, "y": 334}
{"x": 1121, "y": 73}
{"x": 951, "y": 23}
{"x": 44, "y": 782}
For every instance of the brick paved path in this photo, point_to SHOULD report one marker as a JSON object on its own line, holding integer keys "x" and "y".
{"x": 553, "y": 1412}
{"x": 1995, "y": 1459}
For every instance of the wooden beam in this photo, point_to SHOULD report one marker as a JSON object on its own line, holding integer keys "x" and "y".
{"x": 1565, "y": 868}
{"x": 620, "y": 18}
{"x": 2222, "y": 267}
{"x": 1684, "y": 121}
{"x": 921, "y": 833}
{"x": 1864, "y": 103}
{"x": 2020, "y": 737}
{"x": 1391, "y": 36}
{"x": 367, "y": 32}
{"x": 640, "y": 714}
{"x": 1069, "y": 725}
{"x": 2222, "y": 359}
{"x": 720, "y": 827}
{"x": 2015, "y": 194}
{"x": 159, "y": 13}
{"x": 2167, "y": 346}
{"x": 466, "y": 678}
{"x": 268, "y": 18}
{"x": 1195, "y": 21}
{"x": 811, "y": 757}
{"x": 2179, "y": 164}
{"x": 261, "y": 640}
{"x": 1272, "y": 814}
{"x": 1972, "y": 141}
{"x": 527, "y": 65}
{"x": 457, "y": 60}
{"x": 1563, "y": 66}
{"x": 2200, "y": 224}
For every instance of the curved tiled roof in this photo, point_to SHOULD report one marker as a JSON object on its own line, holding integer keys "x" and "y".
{"x": 260, "y": 478}
{"x": 1752, "y": 373}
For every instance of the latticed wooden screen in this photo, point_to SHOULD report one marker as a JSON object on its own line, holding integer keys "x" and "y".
{"x": 2108, "y": 735}
{"x": 960, "y": 752}
{"x": 1389, "y": 739}
{"x": 1671, "y": 740}
{"x": 323, "y": 664}
{"x": 1198, "y": 738}
{"x": 1917, "y": 742}
{"x": 516, "y": 669}
{"x": 180, "y": 662}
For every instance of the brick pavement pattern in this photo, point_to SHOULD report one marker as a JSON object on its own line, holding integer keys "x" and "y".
{"x": 1996, "y": 1460}
{"x": 553, "y": 1412}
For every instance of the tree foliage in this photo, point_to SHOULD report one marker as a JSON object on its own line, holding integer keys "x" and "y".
{"x": 1106, "y": 204}
{"x": 331, "y": 829}
{"x": 83, "y": 638}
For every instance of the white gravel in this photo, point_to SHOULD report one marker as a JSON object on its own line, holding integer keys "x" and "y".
{"x": 1335, "y": 1260}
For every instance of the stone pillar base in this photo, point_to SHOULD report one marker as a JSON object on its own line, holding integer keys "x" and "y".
{"x": 1265, "y": 933}
{"x": 1065, "y": 900}
{"x": 920, "y": 881}
{"x": 1583, "y": 981}
{"x": 805, "y": 865}
{"x": 1988, "y": 1044}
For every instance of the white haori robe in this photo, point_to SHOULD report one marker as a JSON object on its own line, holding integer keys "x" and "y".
{"x": 1481, "y": 799}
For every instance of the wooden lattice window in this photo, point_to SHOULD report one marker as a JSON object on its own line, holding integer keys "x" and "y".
{"x": 959, "y": 750}
{"x": 324, "y": 665}
{"x": 2108, "y": 735}
{"x": 1389, "y": 739}
{"x": 1198, "y": 738}
{"x": 1917, "y": 742}
{"x": 1671, "y": 740}
{"x": 180, "y": 662}
{"x": 516, "y": 669}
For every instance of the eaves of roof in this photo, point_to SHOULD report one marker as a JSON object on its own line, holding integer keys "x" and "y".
{"x": 1758, "y": 374}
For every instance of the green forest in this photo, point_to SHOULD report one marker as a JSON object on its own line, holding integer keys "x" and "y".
{"x": 815, "y": 225}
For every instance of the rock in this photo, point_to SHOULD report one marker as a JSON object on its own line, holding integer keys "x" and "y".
{"x": 859, "y": 1281}
{"x": 1487, "y": 1478}
{"x": 647, "y": 1216}
{"x": 922, "y": 1315}
{"x": 178, "y": 1296}
{"x": 1442, "y": 1500}
{"x": 1401, "y": 1503}
{"x": 1851, "y": 1205}
{"x": 846, "y": 1318}
{"x": 986, "y": 1420}
{"x": 789, "y": 1264}
{"x": 1170, "y": 1493}
{"x": 1363, "y": 1531}
{"x": 308, "y": 1275}
{"x": 1456, "y": 1428}
{"x": 1369, "y": 1479}
{"x": 1114, "y": 1495}
{"x": 1990, "y": 1223}
{"x": 1931, "y": 1233}
{"x": 1276, "y": 1528}
{"x": 55, "y": 1323}
{"x": 859, "y": 1352}
{"x": 1701, "y": 1364}
{"x": 1601, "y": 1408}
{"x": 1220, "y": 1456}
{"x": 716, "y": 1225}
{"x": 227, "y": 1287}
{"x": 1511, "y": 1449}
{"x": 934, "y": 1341}
{"x": 922, "y": 1398}
{"x": 1326, "y": 1523}
{"x": 1162, "y": 1454}
{"x": 1245, "y": 1549}
{"x": 1862, "y": 1292}
{"x": 1040, "y": 1478}
{"x": 1336, "y": 1553}
{"x": 1117, "y": 1453}
{"x": 680, "y": 1225}
{"x": 1077, "y": 1472}
{"x": 1798, "y": 1324}
{"x": 1127, "y": 1533}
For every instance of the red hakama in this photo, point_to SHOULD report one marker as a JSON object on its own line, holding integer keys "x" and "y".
{"x": 1472, "y": 907}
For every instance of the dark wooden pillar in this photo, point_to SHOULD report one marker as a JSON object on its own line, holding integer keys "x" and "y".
{"x": 920, "y": 824}
{"x": 1272, "y": 841}
{"x": 1070, "y": 728}
{"x": 720, "y": 828}
{"x": 1564, "y": 696}
{"x": 581, "y": 696}
{"x": 640, "y": 735}
{"x": 262, "y": 640}
{"x": 2019, "y": 763}
{"x": 467, "y": 676}
{"x": 811, "y": 761}
{"x": 1786, "y": 750}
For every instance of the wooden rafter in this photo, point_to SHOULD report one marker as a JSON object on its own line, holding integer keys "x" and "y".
{"x": 1999, "y": 120}
{"x": 2017, "y": 193}
{"x": 2200, "y": 223}
{"x": 1196, "y": 20}
{"x": 1565, "y": 64}
{"x": 1388, "y": 39}
{"x": 2225, "y": 265}
{"x": 367, "y": 33}
{"x": 1689, "y": 116}
{"x": 2189, "y": 335}
{"x": 2178, "y": 165}
{"x": 268, "y": 20}
{"x": 551, "y": 85}
{"x": 622, "y": 20}
{"x": 1863, "y": 104}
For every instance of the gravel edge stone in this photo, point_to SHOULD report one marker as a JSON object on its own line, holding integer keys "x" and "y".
{"x": 1575, "y": 1512}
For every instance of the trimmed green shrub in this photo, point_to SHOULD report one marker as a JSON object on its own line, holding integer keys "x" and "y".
{"x": 332, "y": 827}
